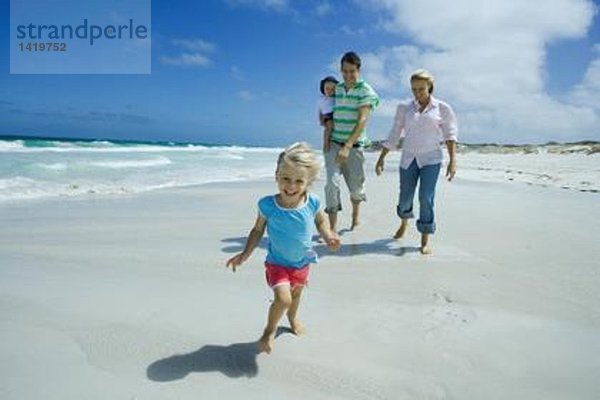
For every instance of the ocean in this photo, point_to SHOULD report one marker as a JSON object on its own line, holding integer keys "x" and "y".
{"x": 35, "y": 168}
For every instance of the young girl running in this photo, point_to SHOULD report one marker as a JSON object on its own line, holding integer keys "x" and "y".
{"x": 289, "y": 218}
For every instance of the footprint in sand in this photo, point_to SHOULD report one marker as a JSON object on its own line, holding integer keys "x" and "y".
{"x": 330, "y": 380}
{"x": 446, "y": 316}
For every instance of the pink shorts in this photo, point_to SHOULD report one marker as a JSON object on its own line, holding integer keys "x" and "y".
{"x": 278, "y": 275}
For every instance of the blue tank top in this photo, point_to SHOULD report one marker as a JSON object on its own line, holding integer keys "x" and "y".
{"x": 290, "y": 231}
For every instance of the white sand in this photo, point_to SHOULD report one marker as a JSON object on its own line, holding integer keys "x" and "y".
{"x": 566, "y": 171}
{"x": 128, "y": 298}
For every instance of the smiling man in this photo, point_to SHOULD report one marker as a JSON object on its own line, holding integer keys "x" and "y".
{"x": 354, "y": 101}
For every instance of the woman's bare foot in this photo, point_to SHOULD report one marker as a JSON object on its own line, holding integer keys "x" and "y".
{"x": 265, "y": 343}
{"x": 297, "y": 327}
{"x": 402, "y": 230}
{"x": 425, "y": 249}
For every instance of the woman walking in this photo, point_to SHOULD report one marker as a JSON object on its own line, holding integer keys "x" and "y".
{"x": 424, "y": 123}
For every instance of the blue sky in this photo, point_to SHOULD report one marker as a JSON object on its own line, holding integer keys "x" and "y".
{"x": 247, "y": 71}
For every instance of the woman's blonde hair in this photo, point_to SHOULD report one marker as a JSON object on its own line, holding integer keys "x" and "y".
{"x": 300, "y": 154}
{"x": 423, "y": 75}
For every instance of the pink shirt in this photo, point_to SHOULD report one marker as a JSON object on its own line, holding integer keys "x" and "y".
{"x": 423, "y": 133}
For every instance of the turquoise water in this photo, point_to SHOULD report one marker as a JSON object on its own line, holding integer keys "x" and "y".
{"x": 37, "y": 168}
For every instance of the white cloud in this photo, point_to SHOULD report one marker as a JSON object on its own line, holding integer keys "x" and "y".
{"x": 246, "y": 95}
{"x": 194, "y": 54}
{"x": 323, "y": 9}
{"x": 387, "y": 107}
{"x": 388, "y": 68}
{"x": 439, "y": 23}
{"x": 274, "y": 5}
{"x": 489, "y": 61}
{"x": 587, "y": 93}
{"x": 187, "y": 60}
{"x": 196, "y": 45}
{"x": 352, "y": 31}
{"x": 237, "y": 73}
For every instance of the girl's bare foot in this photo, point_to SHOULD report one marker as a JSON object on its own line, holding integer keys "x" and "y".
{"x": 297, "y": 327}
{"x": 402, "y": 230}
{"x": 265, "y": 343}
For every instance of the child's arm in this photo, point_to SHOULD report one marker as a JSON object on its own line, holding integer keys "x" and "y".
{"x": 254, "y": 237}
{"x": 330, "y": 237}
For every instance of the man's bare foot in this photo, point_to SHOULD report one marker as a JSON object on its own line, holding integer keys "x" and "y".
{"x": 425, "y": 249}
{"x": 401, "y": 231}
{"x": 355, "y": 224}
{"x": 265, "y": 343}
{"x": 297, "y": 327}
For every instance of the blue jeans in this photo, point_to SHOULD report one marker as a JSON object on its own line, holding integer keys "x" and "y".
{"x": 427, "y": 177}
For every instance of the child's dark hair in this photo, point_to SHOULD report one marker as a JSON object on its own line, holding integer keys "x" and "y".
{"x": 325, "y": 80}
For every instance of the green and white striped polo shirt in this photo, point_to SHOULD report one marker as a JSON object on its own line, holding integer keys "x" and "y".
{"x": 345, "y": 110}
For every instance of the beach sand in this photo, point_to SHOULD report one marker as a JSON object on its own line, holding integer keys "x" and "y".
{"x": 129, "y": 298}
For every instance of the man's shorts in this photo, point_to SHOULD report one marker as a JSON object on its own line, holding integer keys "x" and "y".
{"x": 278, "y": 275}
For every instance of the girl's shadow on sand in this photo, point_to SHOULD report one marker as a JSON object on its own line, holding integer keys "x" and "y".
{"x": 235, "y": 361}
{"x": 381, "y": 246}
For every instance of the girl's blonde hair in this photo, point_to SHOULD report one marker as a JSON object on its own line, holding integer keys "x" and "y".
{"x": 300, "y": 154}
{"x": 423, "y": 75}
